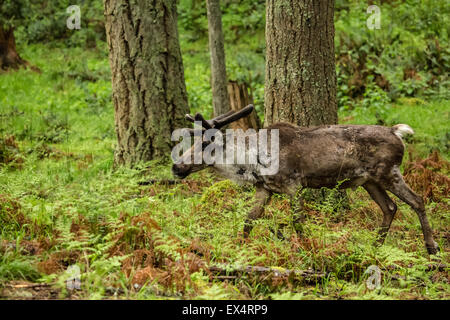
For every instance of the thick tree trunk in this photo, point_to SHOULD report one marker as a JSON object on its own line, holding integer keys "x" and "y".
{"x": 9, "y": 57}
{"x": 300, "y": 84}
{"x": 221, "y": 103}
{"x": 239, "y": 98}
{"x": 149, "y": 92}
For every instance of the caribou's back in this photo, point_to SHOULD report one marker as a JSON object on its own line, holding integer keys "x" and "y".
{"x": 322, "y": 156}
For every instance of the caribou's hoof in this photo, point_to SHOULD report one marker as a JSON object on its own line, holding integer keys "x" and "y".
{"x": 433, "y": 249}
{"x": 247, "y": 229}
{"x": 277, "y": 233}
{"x": 280, "y": 235}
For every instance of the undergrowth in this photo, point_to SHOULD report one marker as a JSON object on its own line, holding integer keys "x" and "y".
{"x": 62, "y": 204}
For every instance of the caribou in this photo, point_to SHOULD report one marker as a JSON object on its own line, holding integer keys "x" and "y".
{"x": 347, "y": 156}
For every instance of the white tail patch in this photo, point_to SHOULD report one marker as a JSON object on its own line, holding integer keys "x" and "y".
{"x": 401, "y": 130}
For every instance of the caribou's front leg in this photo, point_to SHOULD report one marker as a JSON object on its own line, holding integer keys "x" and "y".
{"x": 389, "y": 208}
{"x": 261, "y": 197}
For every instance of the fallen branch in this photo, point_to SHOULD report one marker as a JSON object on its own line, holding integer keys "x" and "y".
{"x": 168, "y": 182}
{"x": 28, "y": 286}
{"x": 429, "y": 267}
{"x": 225, "y": 272}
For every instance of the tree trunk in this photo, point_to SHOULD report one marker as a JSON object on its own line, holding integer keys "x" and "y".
{"x": 221, "y": 103}
{"x": 149, "y": 92}
{"x": 9, "y": 57}
{"x": 239, "y": 98}
{"x": 300, "y": 85}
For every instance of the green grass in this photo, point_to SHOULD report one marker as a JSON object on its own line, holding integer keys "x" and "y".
{"x": 62, "y": 204}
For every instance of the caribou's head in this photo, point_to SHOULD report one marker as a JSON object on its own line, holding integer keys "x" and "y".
{"x": 192, "y": 160}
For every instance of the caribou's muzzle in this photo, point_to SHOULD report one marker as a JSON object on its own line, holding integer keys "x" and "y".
{"x": 181, "y": 171}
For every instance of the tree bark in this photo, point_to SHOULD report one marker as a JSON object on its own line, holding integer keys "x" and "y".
{"x": 239, "y": 98}
{"x": 221, "y": 103}
{"x": 149, "y": 91}
{"x": 9, "y": 57}
{"x": 300, "y": 85}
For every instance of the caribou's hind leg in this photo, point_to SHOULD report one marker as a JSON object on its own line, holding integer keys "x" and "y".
{"x": 389, "y": 208}
{"x": 398, "y": 187}
{"x": 261, "y": 197}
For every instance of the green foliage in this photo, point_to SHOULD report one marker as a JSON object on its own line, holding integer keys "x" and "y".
{"x": 408, "y": 56}
{"x": 13, "y": 266}
{"x": 239, "y": 19}
{"x": 11, "y": 11}
{"x": 38, "y": 21}
{"x": 61, "y": 204}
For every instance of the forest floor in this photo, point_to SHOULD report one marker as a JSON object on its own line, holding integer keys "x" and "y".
{"x": 63, "y": 207}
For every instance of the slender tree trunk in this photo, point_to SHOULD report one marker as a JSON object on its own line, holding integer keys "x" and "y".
{"x": 221, "y": 103}
{"x": 9, "y": 57}
{"x": 149, "y": 92}
{"x": 300, "y": 84}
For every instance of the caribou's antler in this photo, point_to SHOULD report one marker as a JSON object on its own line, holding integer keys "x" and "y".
{"x": 222, "y": 120}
